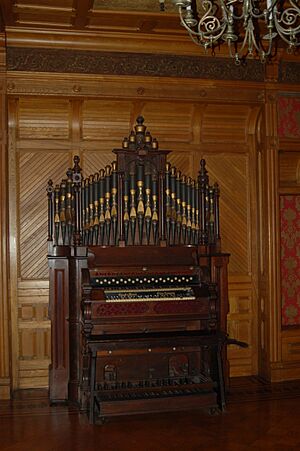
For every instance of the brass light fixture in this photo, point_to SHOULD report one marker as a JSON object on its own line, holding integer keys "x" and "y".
{"x": 249, "y": 27}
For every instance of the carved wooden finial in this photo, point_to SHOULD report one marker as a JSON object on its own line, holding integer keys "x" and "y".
{"x": 140, "y": 139}
{"x": 76, "y": 170}
{"x": 50, "y": 187}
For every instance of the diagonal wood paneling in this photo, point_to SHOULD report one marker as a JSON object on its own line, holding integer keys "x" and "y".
{"x": 182, "y": 161}
{"x": 94, "y": 161}
{"x": 231, "y": 172}
{"x": 34, "y": 172}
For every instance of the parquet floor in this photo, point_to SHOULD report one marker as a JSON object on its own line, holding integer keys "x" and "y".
{"x": 259, "y": 416}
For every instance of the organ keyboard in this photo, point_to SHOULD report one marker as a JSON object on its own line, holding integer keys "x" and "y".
{"x": 147, "y": 288}
{"x": 150, "y": 294}
{"x": 138, "y": 285}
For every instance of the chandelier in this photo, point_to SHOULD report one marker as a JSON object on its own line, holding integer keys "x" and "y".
{"x": 249, "y": 27}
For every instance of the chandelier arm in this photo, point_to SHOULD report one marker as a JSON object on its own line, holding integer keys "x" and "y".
{"x": 246, "y": 39}
{"x": 235, "y": 55}
{"x": 200, "y": 33}
{"x": 291, "y": 14}
{"x": 188, "y": 29}
{"x": 218, "y": 18}
{"x": 197, "y": 40}
{"x": 205, "y": 36}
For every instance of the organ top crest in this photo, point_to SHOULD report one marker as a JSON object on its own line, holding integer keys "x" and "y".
{"x": 140, "y": 199}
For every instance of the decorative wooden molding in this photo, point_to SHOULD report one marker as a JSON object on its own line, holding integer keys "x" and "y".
{"x": 270, "y": 280}
{"x": 289, "y": 72}
{"x": 4, "y": 310}
{"x": 102, "y": 86}
{"x": 154, "y": 65}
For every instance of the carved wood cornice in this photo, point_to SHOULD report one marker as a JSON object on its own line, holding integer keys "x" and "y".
{"x": 111, "y": 86}
{"x": 154, "y": 65}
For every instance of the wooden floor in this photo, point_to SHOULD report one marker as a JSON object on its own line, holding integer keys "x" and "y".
{"x": 259, "y": 416}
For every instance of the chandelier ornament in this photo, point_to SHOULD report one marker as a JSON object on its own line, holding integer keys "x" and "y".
{"x": 249, "y": 27}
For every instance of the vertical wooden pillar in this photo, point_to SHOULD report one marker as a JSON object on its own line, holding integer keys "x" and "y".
{"x": 270, "y": 311}
{"x": 77, "y": 263}
{"x": 219, "y": 275}
{"x": 5, "y": 381}
{"x": 59, "y": 314}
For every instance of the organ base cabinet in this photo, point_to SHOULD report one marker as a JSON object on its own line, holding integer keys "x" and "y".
{"x": 176, "y": 371}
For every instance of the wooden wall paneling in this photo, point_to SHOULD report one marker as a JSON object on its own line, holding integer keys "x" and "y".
{"x": 225, "y": 123}
{"x": 34, "y": 333}
{"x": 240, "y": 325}
{"x": 92, "y": 127}
{"x": 35, "y": 168}
{"x": 13, "y": 237}
{"x": 236, "y": 172}
{"x": 170, "y": 121}
{"x": 93, "y": 161}
{"x": 183, "y": 161}
{"x": 289, "y": 169}
{"x": 44, "y": 125}
{"x": 232, "y": 171}
{"x": 44, "y": 118}
{"x": 105, "y": 120}
{"x": 5, "y": 379}
{"x": 33, "y": 322}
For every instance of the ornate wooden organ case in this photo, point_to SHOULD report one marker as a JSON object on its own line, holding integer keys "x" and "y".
{"x": 138, "y": 285}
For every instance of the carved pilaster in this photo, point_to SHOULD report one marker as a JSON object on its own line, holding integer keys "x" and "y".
{"x": 5, "y": 381}
{"x": 59, "y": 315}
{"x": 270, "y": 315}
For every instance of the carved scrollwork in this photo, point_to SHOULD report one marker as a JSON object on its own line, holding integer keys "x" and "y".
{"x": 88, "y": 62}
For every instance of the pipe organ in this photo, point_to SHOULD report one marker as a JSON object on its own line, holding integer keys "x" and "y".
{"x": 138, "y": 285}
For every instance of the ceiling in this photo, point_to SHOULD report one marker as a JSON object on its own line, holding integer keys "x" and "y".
{"x": 105, "y": 25}
{"x": 91, "y": 15}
